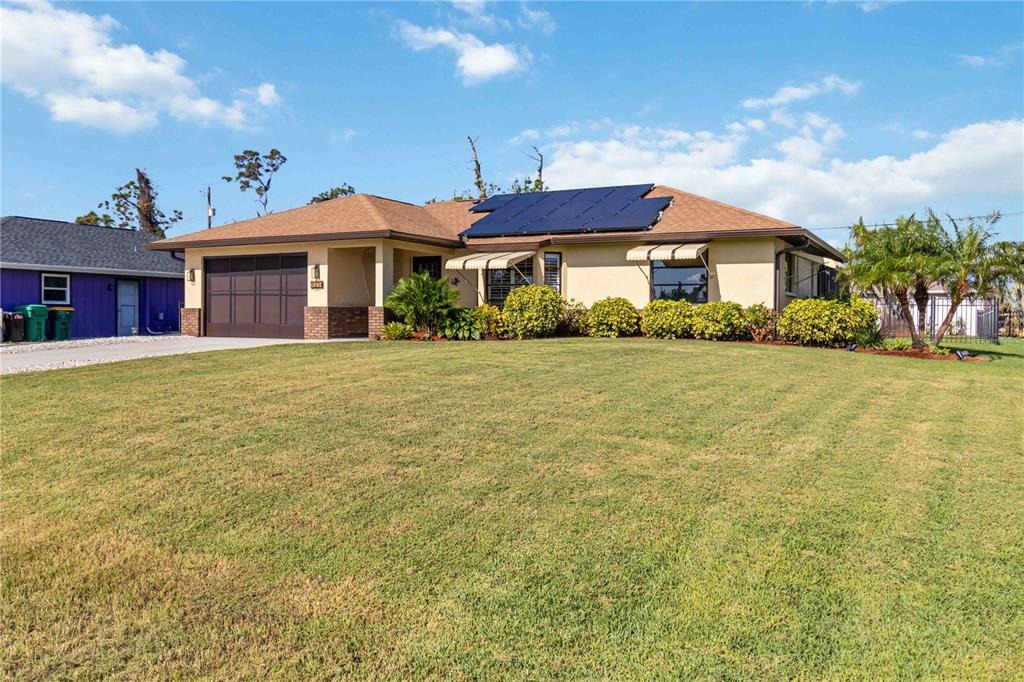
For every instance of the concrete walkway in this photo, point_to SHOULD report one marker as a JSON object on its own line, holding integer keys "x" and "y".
{"x": 43, "y": 356}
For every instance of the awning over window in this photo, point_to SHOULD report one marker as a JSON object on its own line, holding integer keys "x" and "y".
{"x": 487, "y": 261}
{"x": 666, "y": 252}
{"x": 829, "y": 263}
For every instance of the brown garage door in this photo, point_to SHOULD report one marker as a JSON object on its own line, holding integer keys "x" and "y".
{"x": 259, "y": 296}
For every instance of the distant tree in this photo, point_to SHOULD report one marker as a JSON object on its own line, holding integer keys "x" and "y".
{"x": 93, "y": 218}
{"x": 333, "y": 193}
{"x": 478, "y": 176}
{"x": 528, "y": 184}
{"x": 255, "y": 171}
{"x": 134, "y": 207}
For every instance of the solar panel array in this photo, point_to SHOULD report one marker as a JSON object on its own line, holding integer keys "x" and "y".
{"x": 596, "y": 209}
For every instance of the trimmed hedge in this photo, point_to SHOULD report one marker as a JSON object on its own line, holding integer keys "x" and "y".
{"x": 532, "y": 311}
{"x": 612, "y": 317}
{"x": 822, "y": 322}
{"x": 720, "y": 321}
{"x": 665, "y": 319}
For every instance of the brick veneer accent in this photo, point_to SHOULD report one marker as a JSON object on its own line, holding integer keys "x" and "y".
{"x": 191, "y": 323}
{"x": 332, "y": 322}
{"x": 375, "y": 321}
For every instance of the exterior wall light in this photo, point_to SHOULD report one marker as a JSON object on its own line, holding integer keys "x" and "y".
{"x": 192, "y": 275}
{"x": 316, "y": 271}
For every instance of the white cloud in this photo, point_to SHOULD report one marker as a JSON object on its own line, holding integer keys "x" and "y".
{"x": 530, "y": 17}
{"x": 266, "y": 94}
{"x": 341, "y": 136}
{"x": 477, "y": 15}
{"x": 477, "y": 61}
{"x": 755, "y": 124}
{"x": 528, "y": 135}
{"x": 921, "y": 134}
{"x": 794, "y": 93}
{"x": 804, "y": 182}
{"x": 1001, "y": 57}
{"x": 71, "y": 62}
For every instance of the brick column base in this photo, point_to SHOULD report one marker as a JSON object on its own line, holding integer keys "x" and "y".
{"x": 191, "y": 323}
{"x": 375, "y": 320}
{"x": 333, "y": 322}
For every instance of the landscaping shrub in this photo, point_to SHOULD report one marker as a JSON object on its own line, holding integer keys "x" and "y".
{"x": 664, "y": 319}
{"x": 897, "y": 344}
{"x": 820, "y": 322}
{"x": 422, "y": 301}
{"x": 720, "y": 321}
{"x": 493, "y": 319}
{"x": 464, "y": 324}
{"x": 940, "y": 351}
{"x": 532, "y": 311}
{"x": 869, "y": 338}
{"x": 760, "y": 322}
{"x": 396, "y": 331}
{"x": 612, "y": 316}
{"x": 574, "y": 319}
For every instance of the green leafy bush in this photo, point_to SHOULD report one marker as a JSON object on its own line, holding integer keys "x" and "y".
{"x": 422, "y": 301}
{"x": 897, "y": 344}
{"x": 869, "y": 338}
{"x": 939, "y": 350}
{"x": 612, "y": 316}
{"x": 494, "y": 320}
{"x": 532, "y": 311}
{"x": 760, "y": 322}
{"x": 465, "y": 324}
{"x": 665, "y": 319}
{"x": 396, "y": 331}
{"x": 720, "y": 321}
{"x": 574, "y": 319}
{"x": 820, "y": 322}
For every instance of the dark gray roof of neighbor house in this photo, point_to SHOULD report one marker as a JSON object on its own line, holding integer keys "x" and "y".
{"x": 55, "y": 243}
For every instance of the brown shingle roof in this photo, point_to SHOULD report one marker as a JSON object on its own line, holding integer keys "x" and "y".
{"x": 366, "y": 215}
{"x": 358, "y": 215}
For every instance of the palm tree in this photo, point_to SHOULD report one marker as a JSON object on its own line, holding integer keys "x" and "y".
{"x": 424, "y": 302}
{"x": 970, "y": 266}
{"x": 897, "y": 262}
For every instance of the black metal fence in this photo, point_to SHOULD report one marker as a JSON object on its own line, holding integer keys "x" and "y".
{"x": 973, "y": 320}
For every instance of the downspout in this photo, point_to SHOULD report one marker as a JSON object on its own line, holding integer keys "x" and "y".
{"x": 778, "y": 255}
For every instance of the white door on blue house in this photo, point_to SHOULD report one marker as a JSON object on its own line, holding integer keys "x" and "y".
{"x": 127, "y": 307}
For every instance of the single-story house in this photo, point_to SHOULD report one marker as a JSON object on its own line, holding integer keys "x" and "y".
{"x": 116, "y": 286}
{"x": 324, "y": 270}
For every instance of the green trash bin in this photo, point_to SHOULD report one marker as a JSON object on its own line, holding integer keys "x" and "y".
{"x": 35, "y": 321}
{"x": 61, "y": 315}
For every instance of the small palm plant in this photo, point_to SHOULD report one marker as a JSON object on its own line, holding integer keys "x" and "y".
{"x": 422, "y": 301}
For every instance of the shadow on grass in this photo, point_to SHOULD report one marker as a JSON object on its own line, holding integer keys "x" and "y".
{"x": 1006, "y": 349}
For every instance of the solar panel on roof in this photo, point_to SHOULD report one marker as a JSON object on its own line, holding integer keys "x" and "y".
{"x": 567, "y": 211}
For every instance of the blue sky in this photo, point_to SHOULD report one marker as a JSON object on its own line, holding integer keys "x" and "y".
{"x": 813, "y": 112}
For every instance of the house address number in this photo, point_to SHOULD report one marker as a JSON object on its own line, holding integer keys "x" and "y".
{"x": 316, "y": 284}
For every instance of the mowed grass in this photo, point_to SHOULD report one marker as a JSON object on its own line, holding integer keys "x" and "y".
{"x": 563, "y": 508}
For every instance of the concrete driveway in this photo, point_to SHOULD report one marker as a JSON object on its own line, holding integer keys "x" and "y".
{"x": 25, "y": 357}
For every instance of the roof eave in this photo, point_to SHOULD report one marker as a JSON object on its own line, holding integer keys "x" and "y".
{"x": 171, "y": 245}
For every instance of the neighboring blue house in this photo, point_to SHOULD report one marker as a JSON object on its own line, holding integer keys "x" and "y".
{"x": 115, "y": 285}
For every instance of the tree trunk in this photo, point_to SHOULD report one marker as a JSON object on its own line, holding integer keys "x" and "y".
{"x": 904, "y": 301}
{"x": 147, "y": 206}
{"x": 955, "y": 298}
{"x": 921, "y": 300}
{"x": 481, "y": 188}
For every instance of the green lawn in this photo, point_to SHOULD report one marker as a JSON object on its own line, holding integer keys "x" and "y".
{"x": 563, "y": 508}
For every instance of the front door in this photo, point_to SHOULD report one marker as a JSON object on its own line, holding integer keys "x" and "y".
{"x": 127, "y": 307}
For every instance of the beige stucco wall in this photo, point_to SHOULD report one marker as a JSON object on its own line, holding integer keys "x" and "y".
{"x": 591, "y": 272}
{"x": 741, "y": 270}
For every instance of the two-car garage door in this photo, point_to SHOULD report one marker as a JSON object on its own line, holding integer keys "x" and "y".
{"x": 258, "y": 296}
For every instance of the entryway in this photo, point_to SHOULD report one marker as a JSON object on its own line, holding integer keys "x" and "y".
{"x": 127, "y": 307}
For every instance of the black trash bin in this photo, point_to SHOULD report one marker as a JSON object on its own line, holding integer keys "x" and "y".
{"x": 14, "y": 327}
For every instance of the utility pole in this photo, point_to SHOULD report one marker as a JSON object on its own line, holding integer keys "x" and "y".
{"x": 210, "y": 210}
